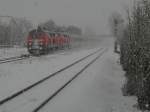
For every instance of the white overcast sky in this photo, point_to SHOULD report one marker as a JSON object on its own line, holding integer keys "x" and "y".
{"x": 93, "y": 13}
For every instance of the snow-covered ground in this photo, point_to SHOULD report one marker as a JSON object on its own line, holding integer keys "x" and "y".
{"x": 18, "y": 75}
{"x": 12, "y": 52}
{"x": 30, "y": 100}
{"x": 17, "y": 51}
{"x": 98, "y": 89}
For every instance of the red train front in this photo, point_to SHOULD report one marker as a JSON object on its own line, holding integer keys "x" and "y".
{"x": 42, "y": 42}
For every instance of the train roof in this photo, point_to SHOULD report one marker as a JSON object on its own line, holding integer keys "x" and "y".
{"x": 46, "y": 31}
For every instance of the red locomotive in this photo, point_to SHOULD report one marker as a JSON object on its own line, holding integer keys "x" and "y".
{"x": 41, "y": 41}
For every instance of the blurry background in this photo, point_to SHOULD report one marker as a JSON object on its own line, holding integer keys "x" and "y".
{"x": 83, "y": 13}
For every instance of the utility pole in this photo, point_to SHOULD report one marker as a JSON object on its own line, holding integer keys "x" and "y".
{"x": 115, "y": 34}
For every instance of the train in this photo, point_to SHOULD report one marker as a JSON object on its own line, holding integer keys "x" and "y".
{"x": 41, "y": 41}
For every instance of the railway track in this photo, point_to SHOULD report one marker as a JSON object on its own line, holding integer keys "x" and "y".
{"x": 21, "y": 57}
{"x": 12, "y": 59}
{"x": 42, "y": 104}
{"x": 66, "y": 84}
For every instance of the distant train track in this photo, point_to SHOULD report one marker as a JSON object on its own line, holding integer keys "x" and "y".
{"x": 24, "y": 90}
{"x": 12, "y": 59}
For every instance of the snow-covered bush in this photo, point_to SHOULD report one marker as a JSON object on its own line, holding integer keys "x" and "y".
{"x": 135, "y": 53}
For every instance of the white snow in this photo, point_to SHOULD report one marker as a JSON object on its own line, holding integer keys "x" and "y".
{"x": 98, "y": 89}
{"x": 12, "y": 52}
{"x": 27, "y": 102}
{"x": 20, "y": 74}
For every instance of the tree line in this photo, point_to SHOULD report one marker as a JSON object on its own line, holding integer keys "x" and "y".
{"x": 135, "y": 53}
{"x": 16, "y": 30}
{"x": 50, "y": 25}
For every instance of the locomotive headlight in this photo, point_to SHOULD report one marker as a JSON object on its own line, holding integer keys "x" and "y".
{"x": 40, "y": 48}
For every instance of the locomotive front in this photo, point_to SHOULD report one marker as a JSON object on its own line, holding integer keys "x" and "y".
{"x": 37, "y": 42}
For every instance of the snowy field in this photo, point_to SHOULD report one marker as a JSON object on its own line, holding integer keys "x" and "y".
{"x": 77, "y": 45}
{"x": 98, "y": 89}
{"x": 33, "y": 98}
{"x": 12, "y": 52}
{"x": 18, "y": 75}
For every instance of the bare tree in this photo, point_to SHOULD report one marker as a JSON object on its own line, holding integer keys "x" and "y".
{"x": 19, "y": 27}
{"x": 49, "y": 25}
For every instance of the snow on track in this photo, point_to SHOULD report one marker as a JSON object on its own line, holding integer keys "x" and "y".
{"x": 15, "y": 76}
{"x": 28, "y": 101}
{"x": 12, "y": 52}
{"x": 98, "y": 89}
